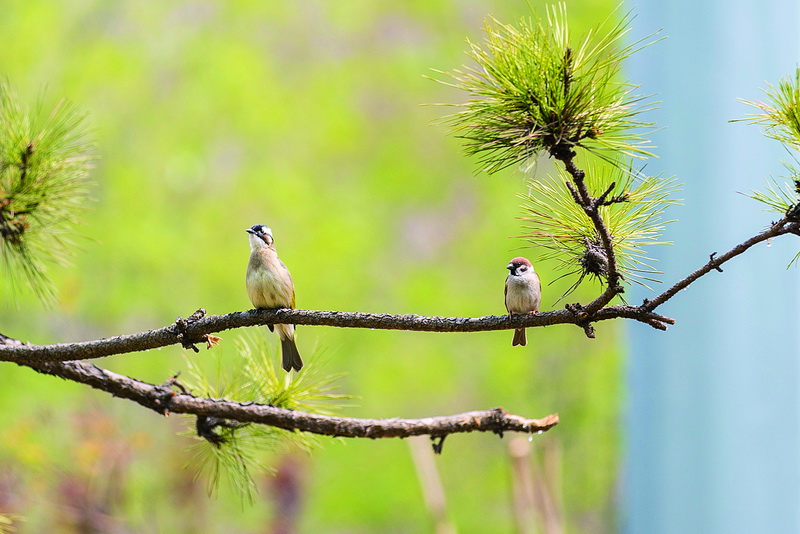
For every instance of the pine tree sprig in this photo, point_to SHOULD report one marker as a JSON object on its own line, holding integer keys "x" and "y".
{"x": 231, "y": 451}
{"x": 780, "y": 114}
{"x": 559, "y": 229}
{"x": 45, "y": 158}
{"x": 533, "y": 91}
{"x": 780, "y": 119}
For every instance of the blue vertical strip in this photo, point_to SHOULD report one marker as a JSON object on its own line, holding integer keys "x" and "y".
{"x": 712, "y": 428}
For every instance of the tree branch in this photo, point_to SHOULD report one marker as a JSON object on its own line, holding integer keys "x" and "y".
{"x": 591, "y": 206}
{"x": 786, "y": 225}
{"x": 163, "y": 399}
{"x": 200, "y": 330}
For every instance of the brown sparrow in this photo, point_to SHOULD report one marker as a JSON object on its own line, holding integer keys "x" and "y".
{"x": 269, "y": 285}
{"x": 523, "y": 293}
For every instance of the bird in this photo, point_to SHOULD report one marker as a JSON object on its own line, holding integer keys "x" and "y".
{"x": 523, "y": 293}
{"x": 269, "y": 285}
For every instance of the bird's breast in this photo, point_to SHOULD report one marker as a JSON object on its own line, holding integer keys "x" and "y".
{"x": 269, "y": 284}
{"x": 523, "y": 295}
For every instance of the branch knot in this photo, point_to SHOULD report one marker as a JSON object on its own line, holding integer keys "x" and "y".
{"x": 181, "y": 327}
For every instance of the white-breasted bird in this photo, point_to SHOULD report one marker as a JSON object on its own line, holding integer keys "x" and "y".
{"x": 269, "y": 285}
{"x": 523, "y": 293}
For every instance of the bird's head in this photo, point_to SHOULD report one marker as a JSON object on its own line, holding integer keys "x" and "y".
{"x": 519, "y": 266}
{"x": 260, "y": 236}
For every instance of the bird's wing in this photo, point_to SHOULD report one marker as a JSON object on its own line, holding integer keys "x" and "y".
{"x": 291, "y": 282}
{"x": 505, "y": 296}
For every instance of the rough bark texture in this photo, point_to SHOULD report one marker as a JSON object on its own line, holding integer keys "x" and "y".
{"x": 164, "y": 399}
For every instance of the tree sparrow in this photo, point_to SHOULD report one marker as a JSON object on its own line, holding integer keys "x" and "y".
{"x": 269, "y": 285}
{"x": 523, "y": 293}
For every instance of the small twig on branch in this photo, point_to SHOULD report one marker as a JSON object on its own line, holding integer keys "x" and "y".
{"x": 711, "y": 259}
{"x": 603, "y": 199}
{"x": 163, "y": 400}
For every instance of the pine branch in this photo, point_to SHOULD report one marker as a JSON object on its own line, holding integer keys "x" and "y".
{"x": 591, "y": 206}
{"x": 171, "y": 398}
{"x": 201, "y": 330}
{"x": 787, "y": 225}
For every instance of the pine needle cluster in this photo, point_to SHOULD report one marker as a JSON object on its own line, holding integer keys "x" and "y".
{"x": 780, "y": 114}
{"x": 234, "y": 451}
{"x": 560, "y": 230}
{"x": 780, "y": 118}
{"x": 532, "y": 91}
{"x": 535, "y": 92}
{"x": 45, "y": 158}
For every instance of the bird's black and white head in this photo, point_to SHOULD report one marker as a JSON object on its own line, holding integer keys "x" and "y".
{"x": 519, "y": 266}
{"x": 260, "y": 236}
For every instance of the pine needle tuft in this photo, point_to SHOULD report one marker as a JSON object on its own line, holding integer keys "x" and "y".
{"x": 44, "y": 164}
{"x": 536, "y": 91}
{"x": 234, "y": 451}
{"x": 560, "y": 230}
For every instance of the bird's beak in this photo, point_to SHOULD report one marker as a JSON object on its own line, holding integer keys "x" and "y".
{"x": 510, "y": 266}
{"x": 250, "y": 231}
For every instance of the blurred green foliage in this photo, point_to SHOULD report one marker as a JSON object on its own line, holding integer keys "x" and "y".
{"x": 211, "y": 116}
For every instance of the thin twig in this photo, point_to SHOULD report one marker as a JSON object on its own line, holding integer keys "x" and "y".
{"x": 783, "y": 226}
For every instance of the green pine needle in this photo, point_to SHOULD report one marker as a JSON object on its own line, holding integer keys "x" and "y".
{"x": 534, "y": 91}
{"x": 7, "y": 522}
{"x": 780, "y": 119}
{"x": 780, "y": 115}
{"x": 233, "y": 461}
{"x": 782, "y": 197}
{"x": 560, "y": 230}
{"x": 779, "y": 196}
{"x": 233, "y": 451}
{"x": 44, "y": 163}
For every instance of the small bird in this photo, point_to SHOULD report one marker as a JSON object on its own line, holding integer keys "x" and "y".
{"x": 523, "y": 293}
{"x": 269, "y": 285}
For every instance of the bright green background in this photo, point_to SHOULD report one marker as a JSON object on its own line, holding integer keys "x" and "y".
{"x": 305, "y": 116}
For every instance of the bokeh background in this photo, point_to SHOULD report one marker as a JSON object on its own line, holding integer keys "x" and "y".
{"x": 308, "y": 116}
{"x": 712, "y": 424}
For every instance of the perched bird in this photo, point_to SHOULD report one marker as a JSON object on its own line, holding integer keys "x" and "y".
{"x": 523, "y": 293}
{"x": 269, "y": 285}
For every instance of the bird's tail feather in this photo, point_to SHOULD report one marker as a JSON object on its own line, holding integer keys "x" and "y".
{"x": 291, "y": 357}
{"x": 519, "y": 338}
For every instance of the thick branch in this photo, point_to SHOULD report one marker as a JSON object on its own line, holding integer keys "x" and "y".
{"x": 164, "y": 400}
{"x": 197, "y": 331}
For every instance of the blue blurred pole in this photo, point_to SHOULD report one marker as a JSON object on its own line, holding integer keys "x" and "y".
{"x": 712, "y": 428}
